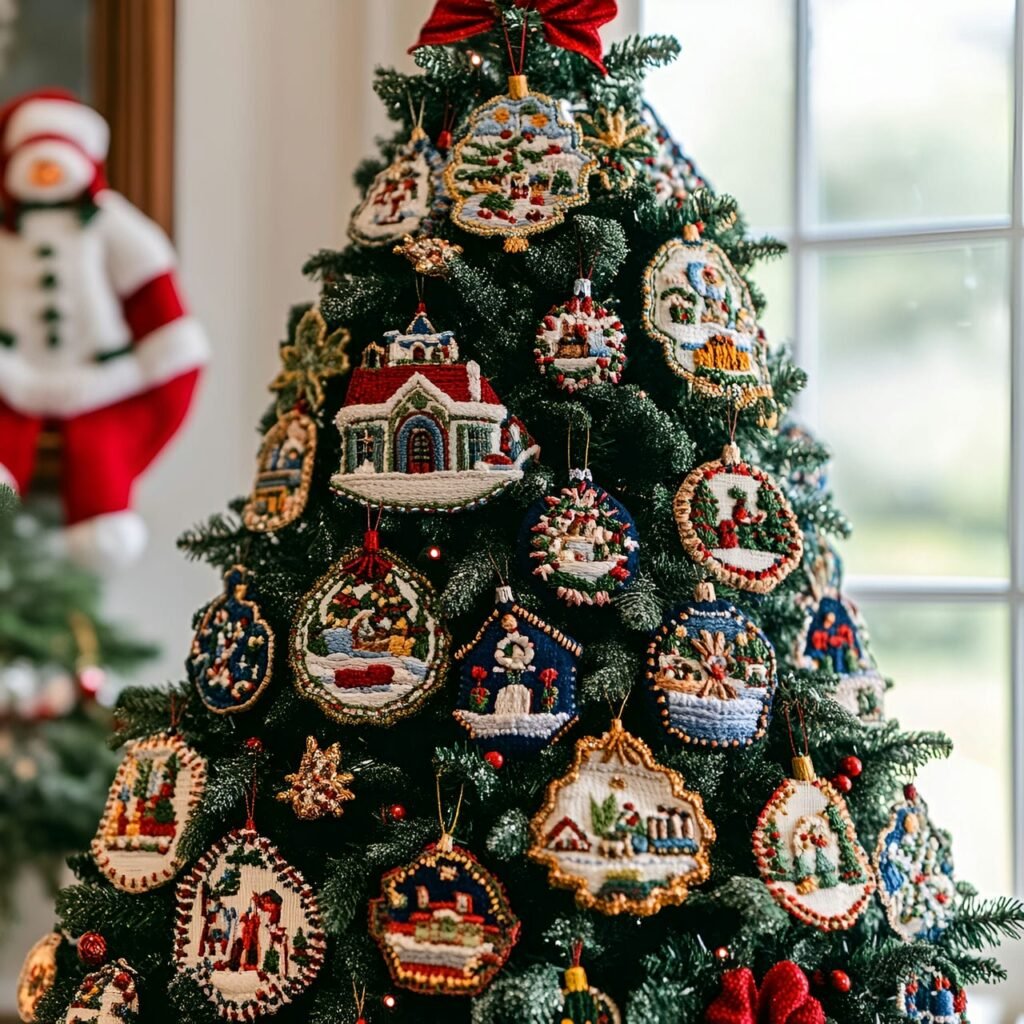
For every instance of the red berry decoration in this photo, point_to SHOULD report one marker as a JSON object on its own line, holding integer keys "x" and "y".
{"x": 840, "y": 981}
{"x": 851, "y": 766}
{"x": 843, "y": 783}
{"x": 92, "y": 949}
{"x": 254, "y": 745}
{"x": 495, "y": 759}
{"x": 396, "y": 812}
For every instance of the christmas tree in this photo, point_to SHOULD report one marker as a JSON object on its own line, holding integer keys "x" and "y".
{"x": 340, "y": 850}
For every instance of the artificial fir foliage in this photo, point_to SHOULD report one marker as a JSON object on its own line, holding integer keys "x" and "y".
{"x": 662, "y": 956}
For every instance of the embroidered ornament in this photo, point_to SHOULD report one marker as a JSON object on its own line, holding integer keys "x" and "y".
{"x": 581, "y": 542}
{"x": 669, "y": 170}
{"x": 518, "y": 681}
{"x": 784, "y": 997}
{"x": 932, "y": 999}
{"x": 232, "y": 650}
{"x": 518, "y": 168}
{"x": 620, "y": 142}
{"x": 158, "y": 786}
{"x": 38, "y": 973}
{"x": 699, "y": 308}
{"x": 247, "y": 928}
{"x": 712, "y": 674}
{"x": 582, "y": 1003}
{"x": 431, "y": 257}
{"x": 313, "y": 356}
{"x": 319, "y": 787}
{"x": 443, "y": 922}
{"x": 422, "y": 432}
{"x": 284, "y": 472}
{"x": 580, "y": 343}
{"x": 914, "y": 865}
{"x": 735, "y": 521}
{"x": 107, "y": 996}
{"x": 621, "y": 830}
{"x": 808, "y": 853}
{"x": 367, "y": 645}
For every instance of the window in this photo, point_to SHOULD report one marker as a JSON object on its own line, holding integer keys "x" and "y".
{"x": 882, "y": 142}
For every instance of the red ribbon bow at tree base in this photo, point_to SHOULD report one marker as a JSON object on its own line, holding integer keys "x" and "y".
{"x": 784, "y": 998}
{"x": 570, "y": 24}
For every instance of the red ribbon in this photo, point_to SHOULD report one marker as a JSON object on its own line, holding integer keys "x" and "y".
{"x": 784, "y": 998}
{"x": 570, "y": 24}
{"x": 369, "y": 565}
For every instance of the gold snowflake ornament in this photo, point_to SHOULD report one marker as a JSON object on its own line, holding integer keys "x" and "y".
{"x": 312, "y": 357}
{"x": 431, "y": 257}
{"x": 319, "y": 787}
{"x": 619, "y": 141}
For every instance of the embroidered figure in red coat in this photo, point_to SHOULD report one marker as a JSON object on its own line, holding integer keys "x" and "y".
{"x": 94, "y": 334}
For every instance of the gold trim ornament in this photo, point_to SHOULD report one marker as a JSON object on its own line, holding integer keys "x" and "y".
{"x": 38, "y": 973}
{"x": 107, "y": 996}
{"x": 735, "y": 521}
{"x": 431, "y": 257}
{"x": 320, "y": 786}
{"x": 696, "y": 304}
{"x": 620, "y": 830}
{"x": 155, "y": 792}
{"x": 518, "y": 168}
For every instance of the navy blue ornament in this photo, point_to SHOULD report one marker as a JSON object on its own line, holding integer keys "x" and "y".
{"x": 518, "y": 681}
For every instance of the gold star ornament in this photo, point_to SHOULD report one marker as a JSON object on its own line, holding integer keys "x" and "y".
{"x": 431, "y": 257}
{"x": 319, "y": 787}
{"x": 312, "y": 357}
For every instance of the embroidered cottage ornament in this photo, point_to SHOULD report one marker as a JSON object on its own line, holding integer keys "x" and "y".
{"x": 367, "y": 645}
{"x": 518, "y": 680}
{"x": 581, "y": 542}
{"x": 712, "y": 674}
{"x": 247, "y": 928}
{"x": 914, "y": 865}
{"x": 621, "y": 830}
{"x": 699, "y": 308}
{"x": 422, "y": 432}
{"x": 931, "y": 998}
{"x": 158, "y": 786}
{"x": 38, "y": 973}
{"x": 808, "y": 853}
{"x": 518, "y": 168}
{"x": 443, "y": 922}
{"x": 580, "y": 343}
{"x": 232, "y": 650}
{"x": 320, "y": 786}
{"x": 735, "y": 521}
{"x": 107, "y": 996}
{"x": 671, "y": 173}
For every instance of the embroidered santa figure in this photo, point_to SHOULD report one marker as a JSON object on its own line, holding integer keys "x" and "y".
{"x": 95, "y": 339}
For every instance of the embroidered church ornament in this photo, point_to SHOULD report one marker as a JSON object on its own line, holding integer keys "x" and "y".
{"x": 914, "y": 866}
{"x": 581, "y": 542}
{"x": 232, "y": 652}
{"x": 367, "y": 645}
{"x": 247, "y": 928}
{"x": 37, "y": 975}
{"x": 712, "y": 674}
{"x": 157, "y": 788}
{"x": 580, "y": 342}
{"x": 517, "y": 691}
{"x": 699, "y": 308}
{"x": 422, "y": 432}
{"x": 621, "y": 830}
{"x": 735, "y": 521}
{"x": 931, "y": 998}
{"x": 107, "y": 996}
{"x": 671, "y": 173}
{"x": 808, "y": 853}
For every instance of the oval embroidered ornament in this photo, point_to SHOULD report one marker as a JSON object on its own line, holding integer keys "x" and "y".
{"x": 621, "y": 830}
{"x": 808, "y": 853}
{"x": 443, "y": 922}
{"x": 38, "y": 973}
{"x": 158, "y": 786}
{"x": 247, "y": 928}
{"x": 735, "y": 521}
{"x": 367, "y": 645}
{"x": 580, "y": 342}
{"x": 932, "y": 998}
{"x": 233, "y": 648}
{"x": 699, "y": 308}
{"x": 518, "y": 681}
{"x": 107, "y": 996}
{"x": 712, "y": 674}
{"x": 581, "y": 542}
{"x": 671, "y": 173}
{"x": 914, "y": 865}
{"x": 283, "y": 474}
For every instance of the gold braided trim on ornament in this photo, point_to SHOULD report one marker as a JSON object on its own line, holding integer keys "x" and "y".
{"x": 261, "y": 522}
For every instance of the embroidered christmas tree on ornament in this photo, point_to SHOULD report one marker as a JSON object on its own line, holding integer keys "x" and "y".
{"x": 38, "y": 973}
{"x": 367, "y": 645}
{"x": 712, "y": 674}
{"x": 107, "y": 996}
{"x": 735, "y": 521}
{"x": 422, "y": 432}
{"x": 518, "y": 681}
{"x": 621, "y": 830}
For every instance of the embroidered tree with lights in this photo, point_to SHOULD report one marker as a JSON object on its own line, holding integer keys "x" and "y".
{"x": 637, "y": 791}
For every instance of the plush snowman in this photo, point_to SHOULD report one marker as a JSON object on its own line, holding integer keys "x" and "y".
{"x": 95, "y": 339}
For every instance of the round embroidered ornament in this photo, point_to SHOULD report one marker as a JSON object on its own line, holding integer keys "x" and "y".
{"x": 914, "y": 865}
{"x": 38, "y": 973}
{"x": 247, "y": 928}
{"x": 367, "y": 645}
{"x": 670, "y": 171}
{"x": 735, "y": 521}
{"x": 233, "y": 648}
{"x": 443, "y": 922}
{"x": 621, "y": 830}
{"x": 581, "y": 542}
{"x": 580, "y": 342}
{"x": 158, "y": 786}
{"x": 808, "y": 853}
{"x": 518, "y": 681}
{"x": 712, "y": 675}
{"x": 107, "y": 996}
{"x": 932, "y": 998}
{"x": 284, "y": 472}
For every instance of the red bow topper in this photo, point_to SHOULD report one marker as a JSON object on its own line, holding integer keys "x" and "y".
{"x": 570, "y": 24}
{"x": 369, "y": 564}
{"x": 784, "y": 998}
